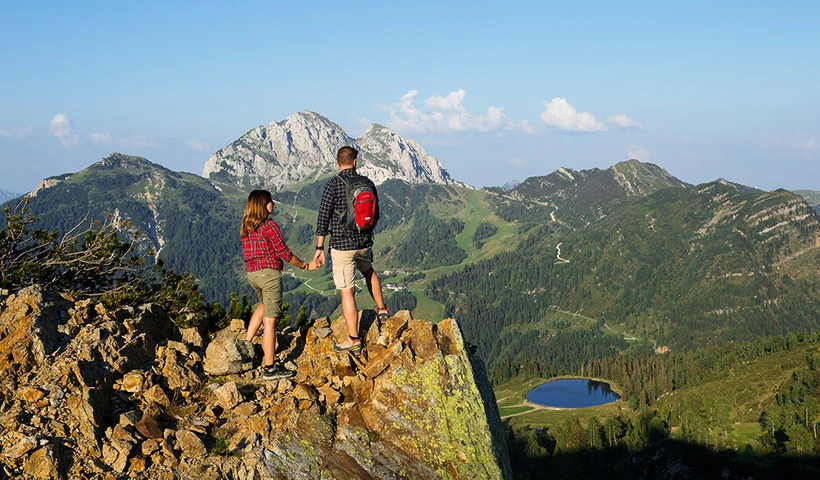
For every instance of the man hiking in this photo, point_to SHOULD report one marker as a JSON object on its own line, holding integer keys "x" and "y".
{"x": 351, "y": 239}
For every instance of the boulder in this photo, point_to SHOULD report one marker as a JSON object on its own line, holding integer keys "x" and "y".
{"x": 228, "y": 395}
{"x": 228, "y": 354}
{"x": 190, "y": 444}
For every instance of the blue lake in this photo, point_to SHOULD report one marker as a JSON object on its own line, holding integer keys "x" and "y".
{"x": 572, "y": 393}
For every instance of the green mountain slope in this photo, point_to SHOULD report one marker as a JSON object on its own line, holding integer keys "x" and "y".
{"x": 581, "y": 198}
{"x": 683, "y": 267}
{"x": 605, "y": 262}
{"x": 190, "y": 224}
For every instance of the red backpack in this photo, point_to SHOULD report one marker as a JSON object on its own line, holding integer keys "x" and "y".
{"x": 360, "y": 214}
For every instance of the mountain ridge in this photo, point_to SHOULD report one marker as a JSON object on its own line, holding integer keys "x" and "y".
{"x": 303, "y": 148}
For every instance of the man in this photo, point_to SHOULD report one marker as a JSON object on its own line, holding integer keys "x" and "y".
{"x": 348, "y": 249}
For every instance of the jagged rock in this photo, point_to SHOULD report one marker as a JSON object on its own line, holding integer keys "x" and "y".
{"x": 228, "y": 395}
{"x": 227, "y": 354}
{"x": 22, "y": 447}
{"x": 29, "y": 394}
{"x": 331, "y": 396}
{"x": 178, "y": 376}
{"x": 415, "y": 401}
{"x": 150, "y": 446}
{"x": 303, "y": 147}
{"x": 148, "y": 427}
{"x": 305, "y": 392}
{"x": 156, "y": 395}
{"x": 129, "y": 419}
{"x": 192, "y": 337}
{"x": 44, "y": 463}
{"x": 190, "y": 444}
{"x": 246, "y": 409}
{"x": 133, "y": 381}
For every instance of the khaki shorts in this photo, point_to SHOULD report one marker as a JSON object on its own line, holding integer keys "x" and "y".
{"x": 343, "y": 263}
{"x": 267, "y": 283}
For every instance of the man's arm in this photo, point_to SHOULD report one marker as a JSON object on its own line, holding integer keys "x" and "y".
{"x": 323, "y": 222}
{"x": 320, "y": 250}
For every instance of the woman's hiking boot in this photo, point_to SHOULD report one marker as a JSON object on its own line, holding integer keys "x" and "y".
{"x": 383, "y": 313}
{"x": 274, "y": 372}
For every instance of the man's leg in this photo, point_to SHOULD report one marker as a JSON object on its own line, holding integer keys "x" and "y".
{"x": 343, "y": 271}
{"x": 364, "y": 262}
{"x": 374, "y": 286}
{"x": 350, "y": 310}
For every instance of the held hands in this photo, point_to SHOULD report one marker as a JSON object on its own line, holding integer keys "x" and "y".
{"x": 314, "y": 265}
{"x": 319, "y": 258}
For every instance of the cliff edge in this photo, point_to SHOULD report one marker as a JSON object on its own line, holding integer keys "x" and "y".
{"x": 87, "y": 392}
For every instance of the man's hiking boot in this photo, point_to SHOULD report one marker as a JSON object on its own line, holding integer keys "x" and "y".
{"x": 383, "y": 313}
{"x": 349, "y": 346}
{"x": 274, "y": 372}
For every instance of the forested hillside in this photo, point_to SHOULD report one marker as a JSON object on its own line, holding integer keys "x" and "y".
{"x": 181, "y": 217}
{"x": 683, "y": 268}
{"x": 562, "y": 270}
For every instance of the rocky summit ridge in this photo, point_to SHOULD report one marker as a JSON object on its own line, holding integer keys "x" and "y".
{"x": 302, "y": 148}
{"x": 90, "y": 392}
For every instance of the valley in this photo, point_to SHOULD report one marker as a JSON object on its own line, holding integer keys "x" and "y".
{"x": 625, "y": 274}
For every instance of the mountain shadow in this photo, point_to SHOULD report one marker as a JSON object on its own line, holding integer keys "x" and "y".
{"x": 662, "y": 458}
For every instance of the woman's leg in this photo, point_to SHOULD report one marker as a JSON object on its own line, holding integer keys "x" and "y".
{"x": 256, "y": 322}
{"x": 269, "y": 341}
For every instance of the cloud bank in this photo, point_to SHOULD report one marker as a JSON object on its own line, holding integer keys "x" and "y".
{"x": 197, "y": 145}
{"x": 21, "y": 133}
{"x": 447, "y": 114}
{"x": 560, "y": 114}
{"x": 105, "y": 138}
{"x": 637, "y": 152}
{"x": 62, "y": 128}
{"x": 622, "y": 121}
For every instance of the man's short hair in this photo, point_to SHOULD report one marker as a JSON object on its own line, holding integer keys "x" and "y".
{"x": 346, "y": 155}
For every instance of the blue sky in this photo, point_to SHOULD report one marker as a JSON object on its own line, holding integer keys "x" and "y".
{"x": 495, "y": 92}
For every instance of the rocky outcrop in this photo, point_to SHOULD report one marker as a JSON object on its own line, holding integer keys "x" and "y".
{"x": 302, "y": 148}
{"x": 89, "y": 392}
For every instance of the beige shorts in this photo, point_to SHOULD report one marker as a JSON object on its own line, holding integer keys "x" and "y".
{"x": 267, "y": 283}
{"x": 343, "y": 263}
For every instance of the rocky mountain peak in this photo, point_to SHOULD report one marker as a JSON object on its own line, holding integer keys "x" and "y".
{"x": 639, "y": 178}
{"x": 124, "y": 392}
{"x": 302, "y": 148}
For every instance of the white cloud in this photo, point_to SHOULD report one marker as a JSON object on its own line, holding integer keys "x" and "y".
{"x": 560, "y": 114}
{"x": 637, "y": 152}
{"x": 197, "y": 145}
{"x": 101, "y": 138}
{"x": 447, "y": 114}
{"x": 105, "y": 138}
{"x": 63, "y": 129}
{"x": 516, "y": 162}
{"x": 622, "y": 121}
{"x": 797, "y": 141}
{"x": 526, "y": 127}
{"x": 21, "y": 133}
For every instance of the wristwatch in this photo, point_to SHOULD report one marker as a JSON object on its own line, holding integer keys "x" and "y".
{"x": 319, "y": 247}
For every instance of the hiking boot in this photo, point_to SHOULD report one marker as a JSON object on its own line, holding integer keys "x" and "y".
{"x": 383, "y": 313}
{"x": 274, "y": 372}
{"x": 348, "y": 346}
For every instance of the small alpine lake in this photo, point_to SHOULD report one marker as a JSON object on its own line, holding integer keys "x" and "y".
{"x": 572, "y": 393}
